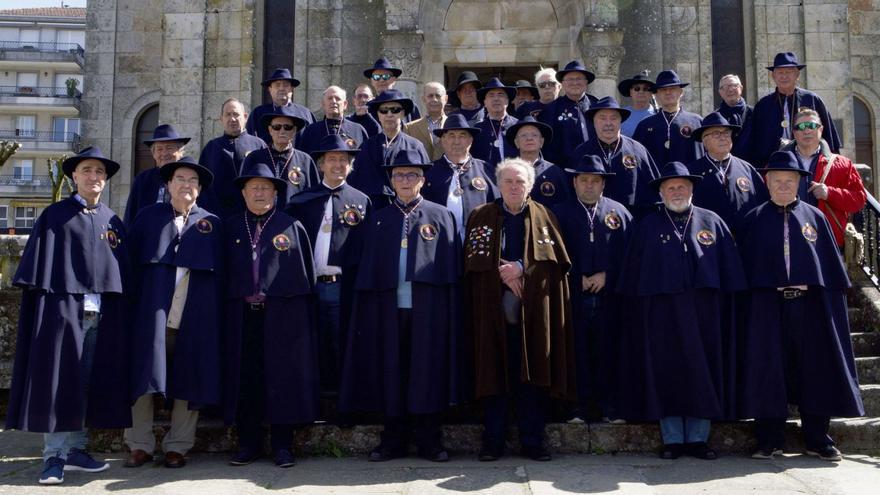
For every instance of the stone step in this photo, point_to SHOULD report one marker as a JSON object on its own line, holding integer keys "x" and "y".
{"x": 866, "y": 344}
{"x": 871, "y": 399}
{"x": 861, "y": 435}
{"x": 869, "y": 369}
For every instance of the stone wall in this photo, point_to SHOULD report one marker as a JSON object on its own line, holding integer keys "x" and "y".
{"x": 864, "y": 40}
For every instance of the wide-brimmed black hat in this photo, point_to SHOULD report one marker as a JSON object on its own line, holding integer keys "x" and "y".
{"x": 575, "y": 66}
{"x": 785, "y": 161}
{"x": 546, "y": 130}
{"x": 333, "y": 142}
{"x": 785, "y": 59}
{"x": 466, "y": 77}
{"x": 626, "y": 85}
{"x": 388, "y": 96}
{"x": 495, "y": 83}
{"x": 523, "y": 84}
{"x": 166, "y": 132}
{"x": 260, "y": 169}
{"x": 607, "y": 103}
{"x": 89, "y": 153}
{"x": 407, "y": 158}
{"x": 674, "y": 170}
{"x": 590, "y": 164}
{"x": 280, "y": 74}
{"x": 456, "y": 122}
{"x": 383, "y": 64}
{"x": 714, "y": 119}
{"x": 206, "y": 177}
{"x": 667, "y": 79}
{"x": 287, "y": 111}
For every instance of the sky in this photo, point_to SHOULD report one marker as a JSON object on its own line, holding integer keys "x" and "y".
{"x": 21, "y": 4}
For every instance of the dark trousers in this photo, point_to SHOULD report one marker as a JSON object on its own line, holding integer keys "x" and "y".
{"x": 771, "y": 431}
{"x": 329, "y": 335}
{"x": 252, "y": 388}
{"x": 531, "y": 403}
{"x": 422, "y": 429}
{"x": 589, "y": 358}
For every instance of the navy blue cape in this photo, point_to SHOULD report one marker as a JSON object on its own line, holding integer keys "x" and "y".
{"x": 484, "y": 147}
{"x": 144, "y": 192}
{"x": 651, "y": 132}
{"x": 255, "y": 127}
{"x": 566, "y": 118}
{"x": 369, "y": 175}
{"x": 478, "y": 186}
{"x": 367, "y": 122}
{"x": 552, "y": 184}
{"x": 300, "y": 172}
{"x": 732, "y": 195}
{"x": 310, "y": 140}
{"x": 223, "y": 156}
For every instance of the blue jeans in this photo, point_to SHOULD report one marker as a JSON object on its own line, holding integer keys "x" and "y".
{"x": 59, "y": 443}
{"x": 681, "y": 429}
{"x": 329, "y": 334}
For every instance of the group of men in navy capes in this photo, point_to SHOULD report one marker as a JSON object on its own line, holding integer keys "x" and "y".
{"x": 541, "y": 257}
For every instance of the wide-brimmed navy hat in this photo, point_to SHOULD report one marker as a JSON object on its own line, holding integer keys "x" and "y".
{"x": 260, "y": 169}
{"x": 785, "y": 161}
{"x": 575, "y": 66}
{"x": 714, "y": 119}
{"x": 388, "y": 96}
{"x": 280, "y": 74}
{"x": 206, "y": 177}
{"x": 523, "y": 84}
{"x": 626, "y": 85}
{"x": 546, "y": 130}
{"x": 287, "y": 111}
{"x": 407, "y": 158}
{"x": 166, "y": 132}
{"x": 667, "y": 79}
{"x": 674, "y": 170}
{"x": 466, "y": 77}
{"x": 456, "y": 122}
{"x": 590, "y": 164}
{"x": 89, "y": 153}
{"x": 383, "y": 64}
{"x": 333, "y": 142}
{"x": 785, "y": 59}
{"x": 495, "y": 83}
{"x": 607, "y": 103}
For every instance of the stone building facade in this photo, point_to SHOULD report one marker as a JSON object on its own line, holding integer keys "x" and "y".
{"x": 175, "y": 61}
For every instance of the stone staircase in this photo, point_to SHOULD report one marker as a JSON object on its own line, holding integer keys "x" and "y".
{"x": 859, "y": 435}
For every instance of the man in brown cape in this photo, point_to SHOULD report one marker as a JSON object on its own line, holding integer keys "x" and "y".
{"x": 517, "y": 291}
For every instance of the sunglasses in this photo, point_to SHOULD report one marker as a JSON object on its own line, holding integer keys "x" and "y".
{"x": 386, "y": 111}
{"x": 547, "y": 84}
{"x": 640, "y": 89}
{"x": 381, "y": 77}
{"x": 286, "y": 127}
{"x": 803, "y": 126}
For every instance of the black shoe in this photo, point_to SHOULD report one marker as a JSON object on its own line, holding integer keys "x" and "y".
{"x": 383, "y": 453}
{"x": 538, "y": 453}
{"x": 671, "y": 451}
{"x": 434, "y": 454}
{"x": 490, "y": 453}
{"x": 244, "y": 457}
{"x": 700, "y": 450}
{"x": 284, "y": 458}
{"x": 826, "y": 453}
{"x": 766, "y": 452}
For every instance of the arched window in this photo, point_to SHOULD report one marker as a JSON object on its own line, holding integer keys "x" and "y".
{"x": 864, "y": 132}
{"x": 146, "y": 122}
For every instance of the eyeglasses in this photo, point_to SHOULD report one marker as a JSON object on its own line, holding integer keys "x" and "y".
{"x": 259, "y": 188}
{"x": 803, "y": 126}
{"x": 394, "y": 110}
{"x": 719, "y": 135}
{"x": 408, "y": 177}
{"x": 547, "y": 84}
{"x": 286, "y": 127}
{"x": 640, "y": 89}
{"x": 189, "y": 182}
{"x": 381, "y": 77}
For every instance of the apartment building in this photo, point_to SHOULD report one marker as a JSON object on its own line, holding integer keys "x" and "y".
{"x": 41, "y": 84}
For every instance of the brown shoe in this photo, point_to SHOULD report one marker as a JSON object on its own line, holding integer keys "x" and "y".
{"x": 174, "y": 460}
{"x": 138, "y": 458}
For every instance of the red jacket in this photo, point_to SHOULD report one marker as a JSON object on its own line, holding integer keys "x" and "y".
{"x": 846, "y": 193}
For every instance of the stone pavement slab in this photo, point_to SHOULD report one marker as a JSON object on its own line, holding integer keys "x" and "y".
{"x": 619, "y": 474}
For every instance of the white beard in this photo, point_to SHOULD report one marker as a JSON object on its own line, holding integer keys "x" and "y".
{"x": 678, "y": 207}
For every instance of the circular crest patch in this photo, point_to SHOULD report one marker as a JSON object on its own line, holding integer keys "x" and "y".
{"x": 112, "y": 238}
{"x": 204, "y": 226}
{"x": 629, "y": 161}
{"x": 612, "y": 221}
{"x": 281, "y": 242}
{"x": 295, "y": 176}
{"x": 428, "y": 232}
{"x": 744, "y": 184}
{"x": 351, "y": 143}
{"x": 352, "y": 216}
{"x": 478, "y": 183}
{"x": 706, "y": 237}
{"x": 548, "y": 188}
{"x": 809, "y": 232}
{"x": 686, "y": 131}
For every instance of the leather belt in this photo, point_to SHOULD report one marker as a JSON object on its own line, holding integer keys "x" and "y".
{"x": 328, "y": 279}
{"x": 256, "y": 306}
{"x": 791, "y": 293}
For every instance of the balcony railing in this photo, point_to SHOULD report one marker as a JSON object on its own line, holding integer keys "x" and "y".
{"x": 27, "y": 135}
{"x": 37, "y": 182}
{"x": 40, "y": 91}
{"x": 45, "y": 50}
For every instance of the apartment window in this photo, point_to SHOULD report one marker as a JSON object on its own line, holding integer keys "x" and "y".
{"x": 23, "y": 169}
{"x": 64, "y": 128}
{"x": 25, "y": 125}
{"x": 29, "y": 36}
{"x": 4, "y": 217}
{"x": 25, "y": 216}
{"x": 70, "y": 36}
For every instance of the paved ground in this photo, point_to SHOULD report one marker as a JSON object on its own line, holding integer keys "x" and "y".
{"x": 624, "y": 474}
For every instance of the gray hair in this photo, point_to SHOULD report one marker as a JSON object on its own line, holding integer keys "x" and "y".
{"x": 549, "y": 71}
{"x": 516, "y": 163}
{"x": 434, "y": 84}
{"x": 335, "y": 89}
{"x": 731, "y": 77}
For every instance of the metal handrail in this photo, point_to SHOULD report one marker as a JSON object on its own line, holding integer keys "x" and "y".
{"x": 31, "y": 180}
{"x": 42, "y": 46}
{"x": 31, "y": 135}
{"x": 867, "y": 221}
{"x": 40, "y": 91}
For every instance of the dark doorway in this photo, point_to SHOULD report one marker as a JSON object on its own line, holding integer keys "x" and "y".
{"x": 864, "y": 132}
{"x": 728, "y": 41}
{"x": 278, "y": 38}
{"x": 508, "y": 75}
{"x": 146, "y": 122}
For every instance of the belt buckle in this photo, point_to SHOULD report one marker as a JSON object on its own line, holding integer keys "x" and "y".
{"x": 328, "y": 279}
{"x": 791, "y": 293}
{"x": 256, "y": 306}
